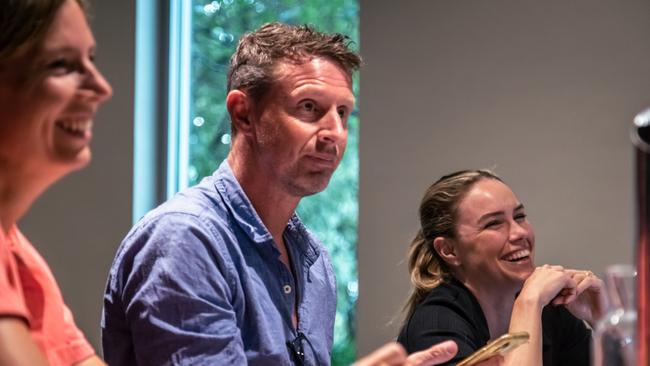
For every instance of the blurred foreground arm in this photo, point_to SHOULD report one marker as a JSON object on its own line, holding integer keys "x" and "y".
{"x": 16, "y": 345}
{"x": 91, "y": 361}
{"x": 393, "y": 354}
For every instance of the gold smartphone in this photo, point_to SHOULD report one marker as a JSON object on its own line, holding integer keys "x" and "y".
{"x": 499, "y": 346}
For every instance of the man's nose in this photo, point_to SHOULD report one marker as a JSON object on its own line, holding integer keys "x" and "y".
{"x": 333, "y": 126}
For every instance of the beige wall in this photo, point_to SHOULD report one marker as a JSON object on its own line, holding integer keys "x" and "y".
{"x": 542, "y": 92}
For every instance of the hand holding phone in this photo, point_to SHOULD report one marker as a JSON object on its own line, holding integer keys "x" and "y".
{"x": 499, "y": 346}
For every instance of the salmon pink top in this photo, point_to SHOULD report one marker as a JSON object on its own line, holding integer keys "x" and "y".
{"x": 28, "y": 291}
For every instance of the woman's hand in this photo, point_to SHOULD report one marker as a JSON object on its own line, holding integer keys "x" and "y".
{"x": 590, "y": 300}
{"x": 549, "y": 283}
{"x": 545, "y": 285}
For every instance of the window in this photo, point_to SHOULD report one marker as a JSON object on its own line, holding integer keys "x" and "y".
{"x": 202, "y": 37}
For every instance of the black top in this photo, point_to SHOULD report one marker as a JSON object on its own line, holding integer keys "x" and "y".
{"x": 450, "y": 311}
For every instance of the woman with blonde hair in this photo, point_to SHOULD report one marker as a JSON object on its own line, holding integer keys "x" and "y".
{"x": 472, "y": 268}
{"x": 50, "y": 90}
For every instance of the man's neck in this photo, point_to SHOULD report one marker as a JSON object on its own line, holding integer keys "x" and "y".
{"x": 274, "y": 206}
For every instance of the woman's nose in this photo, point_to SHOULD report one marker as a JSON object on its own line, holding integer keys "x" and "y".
{"x": 97, "y": 84}
{"x": 517, "y": 231}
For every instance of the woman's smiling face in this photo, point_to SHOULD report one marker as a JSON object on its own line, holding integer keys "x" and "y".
{"x": 495, "y": 241}
{"x": 49, "y": 96}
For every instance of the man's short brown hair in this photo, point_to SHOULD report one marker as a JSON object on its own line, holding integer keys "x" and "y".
{"x": 252, "y": 64}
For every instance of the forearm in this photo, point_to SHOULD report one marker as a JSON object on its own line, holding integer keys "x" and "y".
{"x": 526, "y": 317}
{"x": 16, "y": 344}
{"x": 91, "y": 361}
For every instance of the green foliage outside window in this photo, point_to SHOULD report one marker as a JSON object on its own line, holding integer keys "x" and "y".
{"x": 332, "y": 214}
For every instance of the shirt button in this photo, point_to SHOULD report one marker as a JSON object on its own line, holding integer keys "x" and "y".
{"x": 287, "y": 289}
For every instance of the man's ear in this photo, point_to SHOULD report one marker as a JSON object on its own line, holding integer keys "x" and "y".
{"x": 240, "y": 108}
{"x": 445, "y": 249}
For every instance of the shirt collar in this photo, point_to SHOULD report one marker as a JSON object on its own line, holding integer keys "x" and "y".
{"x": 302, "y": 239}
{"x": 249, "y": 221}
{"x": 238, "y": 204}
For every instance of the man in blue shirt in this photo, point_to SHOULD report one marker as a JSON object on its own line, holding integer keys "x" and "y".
{"x": 225, "y": 273}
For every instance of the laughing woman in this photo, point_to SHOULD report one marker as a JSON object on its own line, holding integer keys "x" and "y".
{"x": 472, "y": 267}
{"x": 49, "y": 92}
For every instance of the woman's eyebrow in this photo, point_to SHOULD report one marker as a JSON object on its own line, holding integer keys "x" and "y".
{"x": 499, "y": 213}
{"x": 490, "y": 215}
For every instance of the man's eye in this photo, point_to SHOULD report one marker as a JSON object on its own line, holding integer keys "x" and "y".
{"x": 308, "y": 106}
{"x": 342, "y": 112}
{"x": 520, "y": 217}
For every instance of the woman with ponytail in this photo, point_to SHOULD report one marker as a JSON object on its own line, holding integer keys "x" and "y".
{"x": 472, "y": 269}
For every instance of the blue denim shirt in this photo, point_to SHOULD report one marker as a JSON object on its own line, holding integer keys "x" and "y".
{"x": 199, "y": 281}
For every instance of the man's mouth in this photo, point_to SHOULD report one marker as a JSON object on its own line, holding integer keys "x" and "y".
{"x": 517, "y": 256}
{"x": 324, "y": 156}
{"x": 323, "y": 160}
